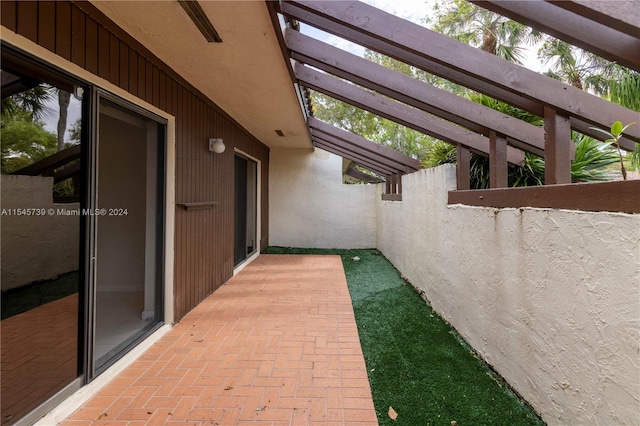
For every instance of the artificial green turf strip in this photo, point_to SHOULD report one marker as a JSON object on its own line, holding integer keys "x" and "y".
{"x": 25, "y": 298}
{"x": 416, "y": 362}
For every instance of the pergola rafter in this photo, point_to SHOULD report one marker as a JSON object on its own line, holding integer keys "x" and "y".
{"x": 410, "y": 91}
{"x": 365, "y": 153}
{"x": 573, "y": 28}
{"x": 350, "y": 155}
{"x": 399, "y": 113}
{"x": 624, "y": 17}
{"x": 463, "y": 64}
{"x": 357, "y": 174}
{"x": 395, "y": 159}
{"x": 453, "y": 119}
{"x": 389, "y": 159}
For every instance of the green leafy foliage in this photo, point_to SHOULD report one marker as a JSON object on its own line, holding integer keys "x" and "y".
{"x": 589, "y": 165}
{"x": 481, "y": 28}
{"x": 579, "y": 68}
{"x": 439, "y": 153}
{"x": 370, "y": 126}
{"x": 531, "y": 173}
{"x": 591, "y": 159}
{"x": 24, "y": 141}
{"x": 614, "y": 134}
{"x": 624, "y": 87}
{"x": 32, "y": 101}
{"x": 444, "y": 153}
{"x": 505, "y": 108}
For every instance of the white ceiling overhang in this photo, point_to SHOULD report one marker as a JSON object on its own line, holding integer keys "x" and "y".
{"x": 245, "y": 75}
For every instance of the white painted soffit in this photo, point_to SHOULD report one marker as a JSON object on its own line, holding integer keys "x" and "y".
{"x": 245, "y": 74}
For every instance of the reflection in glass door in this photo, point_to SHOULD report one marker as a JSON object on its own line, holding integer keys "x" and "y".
{"x": 246, "y": 197}
{"x": 41, "y": 234}
{"x": 81, "y": 234}
{"x": 127, "y": 289}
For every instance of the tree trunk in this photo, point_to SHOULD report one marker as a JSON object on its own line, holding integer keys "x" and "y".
{"x": 63, "y": 101}
{"x": 576, "y": 81}
{"x": 489, "y": 41}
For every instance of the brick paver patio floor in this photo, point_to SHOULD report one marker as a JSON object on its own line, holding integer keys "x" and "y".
{"x": 39, "y": 355}
{"x": 277, "y": 344}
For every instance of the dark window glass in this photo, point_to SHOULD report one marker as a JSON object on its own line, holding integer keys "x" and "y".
{"x": 40, "y": 241}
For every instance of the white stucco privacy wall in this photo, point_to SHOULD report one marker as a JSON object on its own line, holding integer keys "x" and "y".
{"x": 550, "y": 298}
{"x": 309, "y": 206}
{"x": 38, "y": 247}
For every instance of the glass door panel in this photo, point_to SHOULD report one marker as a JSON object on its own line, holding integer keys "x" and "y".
{"x": 128, "y": 236}
{"x": 40, "y": 242}
{"x": 245, "y": 208}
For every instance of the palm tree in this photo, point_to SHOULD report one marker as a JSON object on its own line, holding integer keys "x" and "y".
{"x": 576, "y": 67}
{"x": 587, "y": 71}
{"x": 64, "y": 98}
{"x": 624, "y": 87}
{"x": 33, "y": 101}
{"x": 486, "y": 30}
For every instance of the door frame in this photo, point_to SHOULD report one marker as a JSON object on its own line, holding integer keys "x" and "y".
{"x": 99, "y": 94}
{"x": 256, "y": 253}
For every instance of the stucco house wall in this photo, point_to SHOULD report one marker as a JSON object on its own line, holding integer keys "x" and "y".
{"x": 310, "y": 206}
{"x": 549, "y": 298}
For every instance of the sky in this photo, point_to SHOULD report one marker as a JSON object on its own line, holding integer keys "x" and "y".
{"x": 412, "y": 10}
{"x": 74, "y": 113}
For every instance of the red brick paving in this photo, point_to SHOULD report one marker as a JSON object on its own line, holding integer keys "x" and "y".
{"x": 276, "y": 345}
{"x": 39, "y": 356}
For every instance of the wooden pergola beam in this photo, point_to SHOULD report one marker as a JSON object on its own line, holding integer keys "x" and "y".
{"x": 498, "y": 169}
{"x": 558, "y": 142}
{"x": 463, "y": 166}
{"x": 357, "y": 174}
{"x": 380, "y": 45}
{"x": 400, "y": 161}
{"x": 393, "y": 51}
{"x": 372, "y": 160}
{"x": 484, "y": 72}
{"x": 48, "y": 164}
{"x": 350, "y": 155}
{"x": 575, "y": 29}
{"x": 624, "y": 17}
{"x": 410, "y": 91}
{"x": 327, "y": 146}
{"x": 397, "y": 112}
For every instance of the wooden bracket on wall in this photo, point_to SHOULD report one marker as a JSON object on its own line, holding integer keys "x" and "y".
{"x": 199, "y": 205}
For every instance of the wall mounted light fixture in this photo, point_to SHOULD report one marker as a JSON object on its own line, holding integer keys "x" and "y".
{"x": 216, "y": 145}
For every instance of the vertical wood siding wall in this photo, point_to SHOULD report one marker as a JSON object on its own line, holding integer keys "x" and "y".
{"x": 80, "y": 33}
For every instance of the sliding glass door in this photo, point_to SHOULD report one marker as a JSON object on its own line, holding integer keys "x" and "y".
{"x": 246, "y": 208}
{"x": 83, "y": 184}
{"x": 128, "y": 226}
